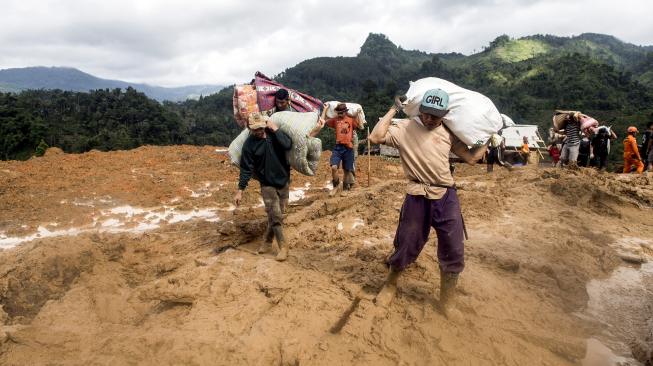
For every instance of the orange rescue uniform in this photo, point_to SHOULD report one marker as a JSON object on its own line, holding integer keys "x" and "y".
{"x": 631, "y": 155}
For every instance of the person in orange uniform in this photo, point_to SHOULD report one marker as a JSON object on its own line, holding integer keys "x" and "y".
{"x": 631, "y": 152}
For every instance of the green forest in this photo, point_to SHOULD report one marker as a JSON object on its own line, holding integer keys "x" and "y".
{"x": 526, "y": 78}
{"x": 108, "y": 120}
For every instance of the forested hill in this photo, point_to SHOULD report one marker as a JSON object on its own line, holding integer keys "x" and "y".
{"x": 527, "y": 78}
{"x": 109, "y": 120}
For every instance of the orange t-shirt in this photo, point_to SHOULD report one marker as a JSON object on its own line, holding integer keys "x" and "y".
{"x": 630, "y": 147}
{"x": 344, "y": 129}
{"x": 524, "y": 148}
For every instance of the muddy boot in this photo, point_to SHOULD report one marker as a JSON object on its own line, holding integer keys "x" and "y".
{"x": 387, "y": 293}
{"x": 281, "y": 242}
{"x": 349, "y": 180}
{"x": 508, "y": 166}
{"x": 283, "y": 252}
{"x": 448, "y": 282}
{"x": 336, "y": 187}
{"x": 346, "y": 187}
{"x": 265, "y": 247}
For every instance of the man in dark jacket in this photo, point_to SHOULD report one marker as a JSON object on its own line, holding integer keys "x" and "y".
{"x": 584, "y": 152}
{"x": 600, "y": 147}
{"x": 264, "y": 159}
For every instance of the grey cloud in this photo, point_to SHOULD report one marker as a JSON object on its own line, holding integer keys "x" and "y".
{"x": 176, "y": 42}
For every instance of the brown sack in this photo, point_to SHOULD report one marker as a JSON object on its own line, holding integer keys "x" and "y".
{"x": 560, "y": 118}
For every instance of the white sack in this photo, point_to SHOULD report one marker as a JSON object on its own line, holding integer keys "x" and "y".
{"x": 472, "y": 117}
{"x": 352, "y": 110}
{"x": 507, "y": 121}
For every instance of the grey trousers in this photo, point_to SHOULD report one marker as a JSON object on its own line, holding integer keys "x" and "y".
{"x": 275, "y": 201}
{"x": 570, "y": 152}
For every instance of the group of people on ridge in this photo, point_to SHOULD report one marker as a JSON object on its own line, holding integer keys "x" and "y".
{"x": 431, "y": 200}
{"x": 568, "y": 147}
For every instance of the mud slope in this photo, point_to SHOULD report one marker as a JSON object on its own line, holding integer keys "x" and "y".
{"x": 138, "y": 257}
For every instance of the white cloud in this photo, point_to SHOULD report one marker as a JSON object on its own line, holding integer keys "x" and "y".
{"x": 221, "y": 42}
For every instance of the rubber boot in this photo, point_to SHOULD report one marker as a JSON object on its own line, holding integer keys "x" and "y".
{"x": 345, "y": 189}
{"x": 265, "y": 247}
{"x": 281, "y": 242}
{"x": 337, "y": 188}
{"x": 448, "y": 282}
{"x": 335, "y": 183}
{"x": 349, "y": 180}
{"x": 283, "y": 251}
{"x": 387, "y": 293}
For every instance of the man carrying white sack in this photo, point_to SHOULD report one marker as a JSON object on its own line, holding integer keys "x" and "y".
{"x": 264, "y": 158}
{"x": 344, "y": 126}
{"x": 431, "y": 200}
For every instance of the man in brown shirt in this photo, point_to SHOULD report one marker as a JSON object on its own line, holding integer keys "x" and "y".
{"x": 424, "y": 144}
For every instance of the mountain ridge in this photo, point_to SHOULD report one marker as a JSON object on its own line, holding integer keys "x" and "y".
{"x": 72, "y": 79}
{"x": 526, "y": 78}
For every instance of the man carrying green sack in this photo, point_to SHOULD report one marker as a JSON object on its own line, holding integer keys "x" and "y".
{"x": 264, "y": 159}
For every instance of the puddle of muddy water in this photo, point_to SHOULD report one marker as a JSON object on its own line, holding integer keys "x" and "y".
{"x": 41, "y": 232}
{"x": 600, "y": 355}
{"x": 297, "y": 194}
{"x": 349, "y": 224}
{"x": 121, "y": 219}
{"x": 620, "y": 303}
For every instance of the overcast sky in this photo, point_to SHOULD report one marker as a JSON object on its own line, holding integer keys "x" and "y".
{"x": 174, "y": 43}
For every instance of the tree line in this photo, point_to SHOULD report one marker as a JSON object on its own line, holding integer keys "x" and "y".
{"x": 108, "y": 120}
{"x": 528, "y": 91}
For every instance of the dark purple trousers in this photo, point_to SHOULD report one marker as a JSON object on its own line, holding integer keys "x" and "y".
{"x": 418, "y": 215}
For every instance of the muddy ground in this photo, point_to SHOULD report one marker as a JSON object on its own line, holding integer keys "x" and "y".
{"x": 139, "y": 258}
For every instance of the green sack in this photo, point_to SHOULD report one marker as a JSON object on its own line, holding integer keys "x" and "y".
{"x": 304, "y": 156}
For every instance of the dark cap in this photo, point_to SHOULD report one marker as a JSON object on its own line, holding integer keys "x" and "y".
{"x": 281, "y": 94}
{"x": 341, "y": 107}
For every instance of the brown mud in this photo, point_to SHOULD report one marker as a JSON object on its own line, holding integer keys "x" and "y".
{"x": 188, "y": 288}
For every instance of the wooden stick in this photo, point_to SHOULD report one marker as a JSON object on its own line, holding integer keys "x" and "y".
{"x": 369, "y": 164}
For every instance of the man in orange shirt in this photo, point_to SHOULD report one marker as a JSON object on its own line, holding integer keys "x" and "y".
{"x": 631, "y": 152}
{"x": 344, "y": 126}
